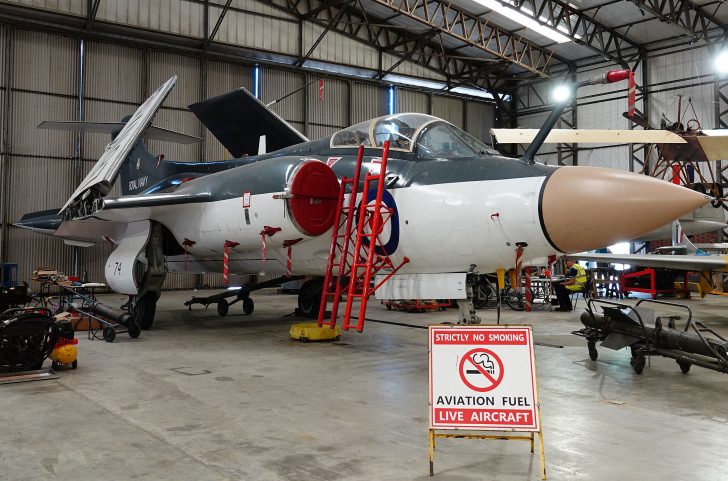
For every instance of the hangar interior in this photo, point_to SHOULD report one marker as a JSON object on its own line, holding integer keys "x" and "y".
{"x": 165, "y": 407}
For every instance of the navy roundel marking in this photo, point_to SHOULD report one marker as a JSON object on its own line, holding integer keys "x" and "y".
{"x": 391, "y": 246}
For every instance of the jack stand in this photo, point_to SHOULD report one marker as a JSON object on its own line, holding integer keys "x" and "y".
{"x": 466, "y": 309}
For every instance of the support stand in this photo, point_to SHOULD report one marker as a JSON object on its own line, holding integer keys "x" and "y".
{"x": 506, "y": 437}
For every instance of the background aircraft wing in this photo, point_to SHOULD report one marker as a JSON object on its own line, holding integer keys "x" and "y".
{"x": 237, "y": 119}
{"x": 698, "y": 263}
{"x": 157, "y": 133}
{"x": 588, "y": 136}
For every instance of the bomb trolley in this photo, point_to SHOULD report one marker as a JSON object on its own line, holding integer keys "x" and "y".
{"x": 112, "y": 322}
{"x": 620, "y": 325}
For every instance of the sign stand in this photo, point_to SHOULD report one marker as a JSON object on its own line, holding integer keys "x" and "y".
{"x": 461, "y": 342}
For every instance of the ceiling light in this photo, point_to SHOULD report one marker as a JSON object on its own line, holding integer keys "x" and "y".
{"x": 561, "y": 93}
{"x": 721, "y": 62}
{"x": 514, "y": 14}
{"x": 414, "y": 82}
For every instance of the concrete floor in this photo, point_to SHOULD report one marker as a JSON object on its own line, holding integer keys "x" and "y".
{"x": 203, "y": 398}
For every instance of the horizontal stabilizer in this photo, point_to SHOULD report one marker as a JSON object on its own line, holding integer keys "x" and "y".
{"x": 237, "y": 119}
{"x": 113, "y": 128}
{"x": 585, "y": 136}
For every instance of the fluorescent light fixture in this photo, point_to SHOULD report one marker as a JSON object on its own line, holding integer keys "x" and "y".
{"x": 721, "y": 62}
{"x": 561, "y": 93}
{"x": 515, "y": 14}
{"x": 472, "y": 92}
{"x": 338, "y": 69}
{"x": 256, "y": 81}
{"x": 414, "y": 82}
{"x": 391, "y": 100}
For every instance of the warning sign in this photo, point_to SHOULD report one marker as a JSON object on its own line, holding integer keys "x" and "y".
{"x": 483, "y": 377}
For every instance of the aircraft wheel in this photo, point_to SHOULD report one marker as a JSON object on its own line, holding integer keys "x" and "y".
{"x": 248, "y": 306}
{"x": 593, "y": 353}
{"x": 684, "y": 366}
{"x": 638, "y": 364}
{"x": 134, "y": 330}
{"x": 717, "y": 191}
{"x": 309, "y": 298}
{"x": 222, "y": 307}
{"x": 145, "y": 309}
{"x": 109, "y": 334}
{"x": 55, "y": 366}
{"x": 74, "y": 364}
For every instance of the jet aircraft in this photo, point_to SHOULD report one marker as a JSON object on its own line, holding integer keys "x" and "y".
{"x": 457, "y": 202}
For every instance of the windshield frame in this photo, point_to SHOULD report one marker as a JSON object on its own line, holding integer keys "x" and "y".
{"x": 373, "y": 123}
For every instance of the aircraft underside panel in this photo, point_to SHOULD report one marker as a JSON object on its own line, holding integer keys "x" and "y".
{"x": 449, "y": 285}
{"x": 119, "y": 269}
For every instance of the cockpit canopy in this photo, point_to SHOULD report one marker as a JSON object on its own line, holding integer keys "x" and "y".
{"x": 430, "y": 136}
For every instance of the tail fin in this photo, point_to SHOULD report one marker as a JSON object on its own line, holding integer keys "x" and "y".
{"x": 679, "y": 239}
{"x": 141, "y": 169}
{"x": 237, "y": 119}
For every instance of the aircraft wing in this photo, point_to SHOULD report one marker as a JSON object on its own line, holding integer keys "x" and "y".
{"x": 237, "y": 119}
{"x": 588, "y": 136}
{"x": 106, "y": 169}
{"x": 714, "y": 144}
{"x": 697, "y": 263}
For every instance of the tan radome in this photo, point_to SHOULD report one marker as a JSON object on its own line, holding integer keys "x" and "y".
{"x": 585, "y": 208}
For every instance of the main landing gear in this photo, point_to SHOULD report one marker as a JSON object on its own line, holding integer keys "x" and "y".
{"x": 143, "y": 307}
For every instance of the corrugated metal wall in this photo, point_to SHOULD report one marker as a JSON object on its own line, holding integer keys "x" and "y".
{"x": 682, "y": 73}
{"x": 367, "y": 101}
{"x": 40, "y": 162}
{"x": 448, "y": 108}
{"x": 45, "y": 83}
{"x": 413, "y": 101}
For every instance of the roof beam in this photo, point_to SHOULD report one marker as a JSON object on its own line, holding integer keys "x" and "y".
{"x": 684, "y": 16}
{"x": 224, "y": 11}
{"x": 478, "y": 32}
{"x": 92, "y": 9}
{"x": 418, "y": 47}
{"x": 581, "y": 28}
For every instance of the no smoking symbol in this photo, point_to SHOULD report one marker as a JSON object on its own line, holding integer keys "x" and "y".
{"x": 481, "y": 369}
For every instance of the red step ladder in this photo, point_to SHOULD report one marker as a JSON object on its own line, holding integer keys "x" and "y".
{"x": 356, "y": 257}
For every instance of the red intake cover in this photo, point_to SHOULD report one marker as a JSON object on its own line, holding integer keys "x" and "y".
{"x": 314, "y": 191}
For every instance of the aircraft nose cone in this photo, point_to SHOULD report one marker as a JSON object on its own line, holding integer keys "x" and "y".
{"x": 585, "y": 208}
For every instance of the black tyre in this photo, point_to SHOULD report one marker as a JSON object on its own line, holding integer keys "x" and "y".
{"x": 481, "y": 295}
{"x": 134, "y": 330}
{"x": 309, "y": 298}
{"x": 74, "y": 364}
{"x": 638, "y": 364}
{"x": 593, "y": 353}
{"x": 222, "y": 307}
{"x": 303, "y": 339}
{"x": 109, "y": 334}
{"x": 248, "y": 306}
{"x": 516, "y": 300}
{"x": 684, "y": 366}
{"x": 145, "y": 310}
{"x": 55, "y": 366}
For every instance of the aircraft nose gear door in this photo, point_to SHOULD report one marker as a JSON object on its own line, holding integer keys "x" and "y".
{"x": 119, "y": 269}
{"x": 140, "y": 237}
